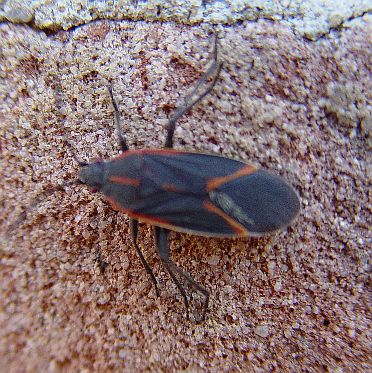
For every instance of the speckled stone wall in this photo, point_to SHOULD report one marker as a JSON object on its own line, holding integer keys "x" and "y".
{"x": 295, "y": 301}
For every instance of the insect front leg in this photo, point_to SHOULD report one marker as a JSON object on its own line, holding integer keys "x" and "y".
{"x": 189, "y": 101}
{"x": 134, "y": 233}
{"x": 162, "y": 244}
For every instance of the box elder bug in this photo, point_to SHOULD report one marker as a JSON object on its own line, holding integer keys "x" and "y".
{"x": 189, "y": 192}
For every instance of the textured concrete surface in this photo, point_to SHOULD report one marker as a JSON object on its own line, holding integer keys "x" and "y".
{"x": 310, "y": 18}
{"x": 295, "y": 301}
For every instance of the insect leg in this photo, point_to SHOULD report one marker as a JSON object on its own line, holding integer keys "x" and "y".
{"x": 195, "y": 286}
{"x": 161, "y": 238}
{"x": 134, "y": 233}
{"x": 214, "y": 68}
{"x": 102, "y": 265}
{"x": 122, "y": 141}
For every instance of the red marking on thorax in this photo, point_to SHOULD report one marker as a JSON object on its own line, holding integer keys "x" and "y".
{"x": 125, "y": 180}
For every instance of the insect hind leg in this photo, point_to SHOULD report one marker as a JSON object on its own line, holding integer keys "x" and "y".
{"x": 161, "y": 237}
{"x": 189, "y": 102}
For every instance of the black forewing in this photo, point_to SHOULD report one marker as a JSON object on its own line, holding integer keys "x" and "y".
{"x": 187, "y": 171}
{"x": 173, "y": 189}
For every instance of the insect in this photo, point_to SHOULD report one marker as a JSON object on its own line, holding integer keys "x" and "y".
{"x": 189, "y": 192}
